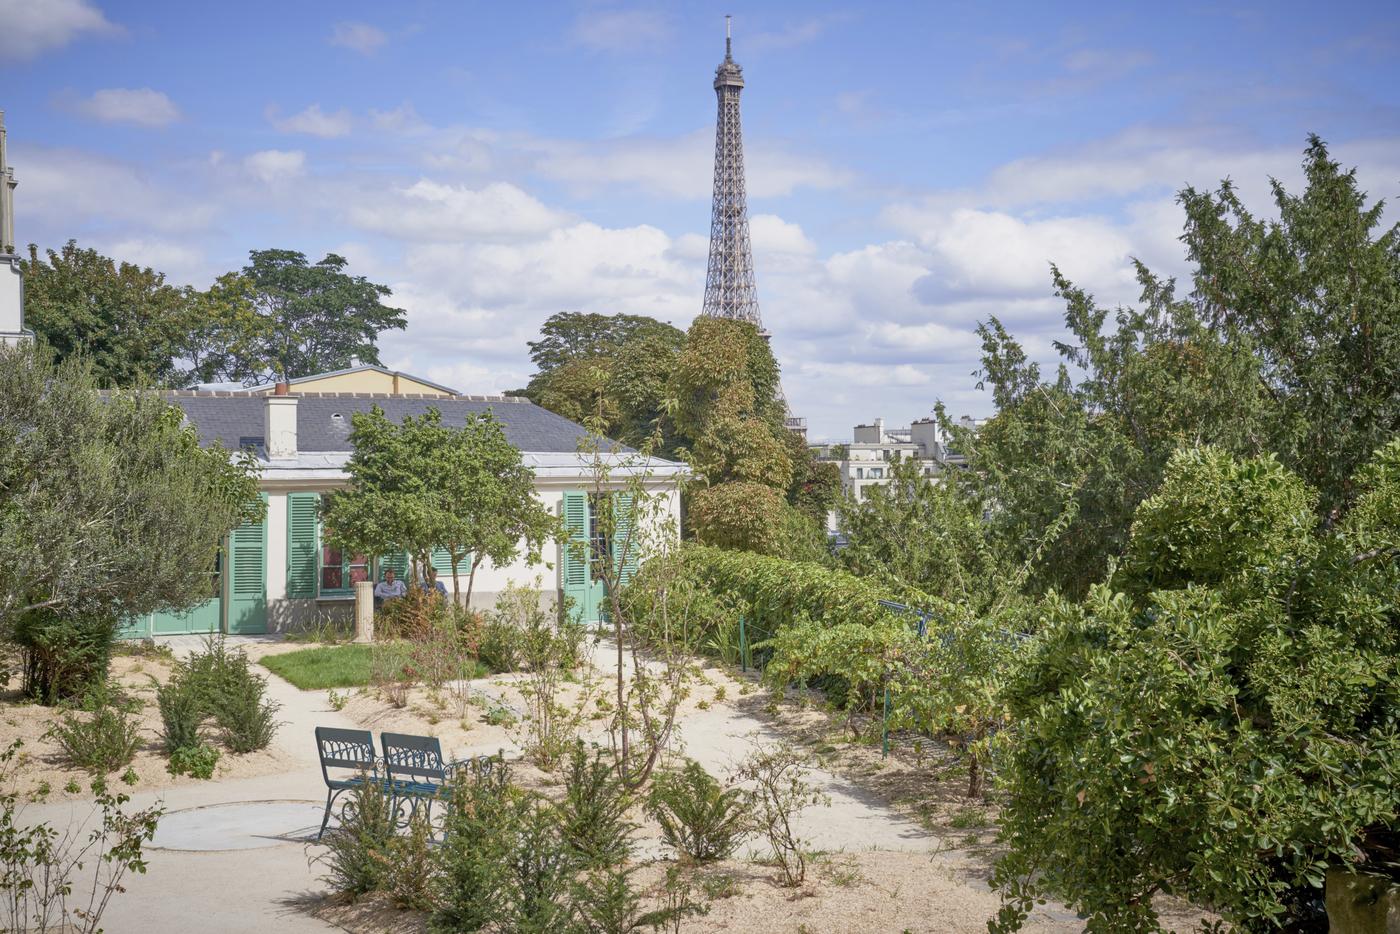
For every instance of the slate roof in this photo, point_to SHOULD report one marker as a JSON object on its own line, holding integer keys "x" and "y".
{"x": 323, "y": 419}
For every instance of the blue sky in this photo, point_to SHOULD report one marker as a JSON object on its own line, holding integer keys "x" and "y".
{"x": 913, "y": 168}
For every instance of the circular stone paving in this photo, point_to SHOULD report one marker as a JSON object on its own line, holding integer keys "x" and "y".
{"x": 241, "y": 825}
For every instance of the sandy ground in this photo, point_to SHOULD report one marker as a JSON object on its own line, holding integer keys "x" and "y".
{"x": 903, "y": 849}
{"x": 857, "y": 892}
{"x": 43, "y": 765}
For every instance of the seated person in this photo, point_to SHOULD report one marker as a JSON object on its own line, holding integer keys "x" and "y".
{"x": 431, "y": 583}
{"x": 389, "y": 588}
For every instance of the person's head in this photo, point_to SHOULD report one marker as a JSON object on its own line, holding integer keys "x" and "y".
{"x": 432, "y": 574}
{"x": 389, "y": 575}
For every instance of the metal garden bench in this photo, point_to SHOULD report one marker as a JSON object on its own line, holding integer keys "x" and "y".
{"x": 416, "y": 773}
{"x": 351, "y": 754}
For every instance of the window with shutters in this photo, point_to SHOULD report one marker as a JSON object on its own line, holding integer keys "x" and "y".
{"x": 341, "y": 571}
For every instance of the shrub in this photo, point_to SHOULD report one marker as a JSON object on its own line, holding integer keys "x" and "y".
{"x": 182, "y": 713}
{"x": 1225, "y": 729}
{"x": 407, "y": 865}
{"x": 500, "y": 645}
{"x": 478, "y": 828}
{"x": 226, "y": 686}
{"x": 778, "y": 793}
{"x": 63, "y": 657}
{"x": 357, "y": 850}
{"x": 99, "y": 743}
{"x": 197, "y": 761}
{"x": 40, "y": 865}
{"x": 247, "y": 717}
{"x": 593, "y": 812}
{"x": 699, "y": 818}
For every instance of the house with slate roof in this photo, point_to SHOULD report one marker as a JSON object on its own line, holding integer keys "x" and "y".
{"x": 281, "y": 574}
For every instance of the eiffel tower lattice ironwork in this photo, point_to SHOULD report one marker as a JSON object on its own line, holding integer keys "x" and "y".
{"x": 730, "y": 291}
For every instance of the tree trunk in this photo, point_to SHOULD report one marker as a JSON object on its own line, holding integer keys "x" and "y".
{"x": 471, "y": 580}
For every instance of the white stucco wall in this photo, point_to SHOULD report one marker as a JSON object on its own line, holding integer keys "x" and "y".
{"x": 276, "y": 546}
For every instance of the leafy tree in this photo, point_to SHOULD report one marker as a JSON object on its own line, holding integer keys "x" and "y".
{"x": 109, "y": 509}
{"x": 1278, "y": 348}
{"x": 126, "y": 320}
{"x": 724, "y": 391}
{"x": 920, "y": 531}
{"x": 1316, "y": 294}
{"x": 283, "y": 317}
{"x": 816, "y": 483}
{"x": 613, "y": 367}
{"x": 1220, "y": 721}
{"x": 422, "y": 485}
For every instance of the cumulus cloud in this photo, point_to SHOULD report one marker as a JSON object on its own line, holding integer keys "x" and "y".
{"x": 137, "y": 106}
{"x": 428, "y": 210}
{"x": 620, "y": 30}
{"x": 773, "y": 234}
{"x": 275, "y": 165}
{"x": 358, "y": 37}
{"x": 32, "y": 28}
{"x": 313, "y": 121}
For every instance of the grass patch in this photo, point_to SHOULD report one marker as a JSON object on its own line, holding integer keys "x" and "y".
{"x": 330, "y": 666}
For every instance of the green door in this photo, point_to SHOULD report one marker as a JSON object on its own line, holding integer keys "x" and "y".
{"x": 201, "y": 618}
{"x": 247, "y": 605}
{"x": 579, "y": 584}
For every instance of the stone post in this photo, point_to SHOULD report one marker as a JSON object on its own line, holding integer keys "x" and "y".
{"x": 364, "y": 611}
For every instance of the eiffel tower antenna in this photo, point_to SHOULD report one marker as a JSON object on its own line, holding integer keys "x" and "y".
{"x": 730, "y": 291}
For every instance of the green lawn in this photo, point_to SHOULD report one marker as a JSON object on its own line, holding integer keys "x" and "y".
{"x": 330, "y": 666}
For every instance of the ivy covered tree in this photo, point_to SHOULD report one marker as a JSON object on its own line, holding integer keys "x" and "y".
{"x": 724, "y": 388}
{"x": 127, "y": 321}
{"x": 421, "y": 485}
{"x": 109, "y": 509}
{"x": 1221, "y": 720}
{"x": 283, "y": 317}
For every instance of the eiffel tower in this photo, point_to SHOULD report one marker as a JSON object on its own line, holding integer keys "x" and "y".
{"x": 730, "y": 291}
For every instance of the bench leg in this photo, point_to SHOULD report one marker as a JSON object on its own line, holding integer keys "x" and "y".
{"x": 325, "y": 818}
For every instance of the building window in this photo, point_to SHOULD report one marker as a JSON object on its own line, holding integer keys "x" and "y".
{"x": 340, "y": 572}
{"x": 877, "y": 473}
{"x": 860, "y": 473}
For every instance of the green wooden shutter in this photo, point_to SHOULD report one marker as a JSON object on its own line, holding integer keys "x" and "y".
{"x": 303, "y": 540}
{"x": 442, "y": 563}
{"x": 397, "y": 563}
{"x": 573, "y": 557}
{"x": 624, "y": 538}
{"x": 247, "y": 611}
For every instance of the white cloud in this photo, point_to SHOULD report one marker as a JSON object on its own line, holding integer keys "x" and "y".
{"x": 275, "y": 165}
{"x": 428, "y": 210}
{"x": 182, "y": 262}
{"x": 138, "y": 106}
{"x": 313, "y": 121}
{"x": 993, "y": 254}
{"x": 773, "y": 234}
{"x": 620, "y": 30}
{"x": 66, "y": 193}
{"x": 358, "y": 37}
{"x": 32, "y": 27}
